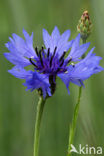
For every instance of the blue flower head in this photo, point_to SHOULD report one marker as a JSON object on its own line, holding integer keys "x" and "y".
{"x": 51, "y": 61}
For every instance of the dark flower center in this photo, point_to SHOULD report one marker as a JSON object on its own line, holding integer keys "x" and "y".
{"x": 50, "y": 64}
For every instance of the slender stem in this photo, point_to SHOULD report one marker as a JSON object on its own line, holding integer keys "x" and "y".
{"x": 75, "y": 116}
{"x": 74, "y": 121}
{"x": 40, "y": 108}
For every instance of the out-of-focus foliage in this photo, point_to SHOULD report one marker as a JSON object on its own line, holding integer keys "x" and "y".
{"x": 18, "y": 107}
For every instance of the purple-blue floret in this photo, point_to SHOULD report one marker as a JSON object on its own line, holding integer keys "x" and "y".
{"x": 51, "y": 61}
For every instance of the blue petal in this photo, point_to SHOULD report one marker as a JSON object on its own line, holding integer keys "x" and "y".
{"x": 64, "y": 47}
{"x": 29, "y": 43}
{"x": 47, "y": 39}
{"x": 91, "y": 60}
{"x": 82, "y": 70}
{"x": 17, "y": 59}
{"x": 20, "y": 49}
{"x": 63, "y": 40}
{"x": 65, "y": 36}
{"x": 76, "y": 43}
{"x": 55, "y": 35}
{"x": 38, "y": 81}
{"x": 77, "y": 82}
{"x": 20, "y": 72}
{"x": 65, "y": 77}
{"x": 34, "y": 80}
{"x": 87, "y": 67}
{"x": 77, "y": 50}
{"x": 57, "y": 40}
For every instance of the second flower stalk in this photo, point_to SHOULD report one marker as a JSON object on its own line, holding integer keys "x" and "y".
{"x": 84, "y": 28}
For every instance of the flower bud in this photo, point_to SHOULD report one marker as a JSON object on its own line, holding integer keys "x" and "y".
{"x": 84, "y": 26}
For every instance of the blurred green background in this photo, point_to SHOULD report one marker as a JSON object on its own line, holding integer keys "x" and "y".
{"x": 18, "y": 107}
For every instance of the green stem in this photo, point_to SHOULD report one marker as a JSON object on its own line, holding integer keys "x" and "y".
{"x": 74, "y": 121}
{"x": 40, "y": 108}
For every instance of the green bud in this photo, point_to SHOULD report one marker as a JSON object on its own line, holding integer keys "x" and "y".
{"x": 81, "y": 26}
{"x": 84, "y": 30}
{"x": 84, "y": 26}
{"x": 87, "y": 22}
